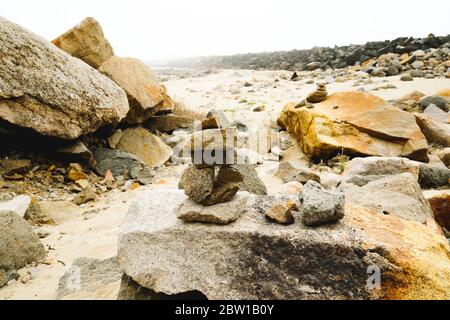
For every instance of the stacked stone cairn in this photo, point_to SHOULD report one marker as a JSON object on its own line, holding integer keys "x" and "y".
{"x": 212, "y": 182}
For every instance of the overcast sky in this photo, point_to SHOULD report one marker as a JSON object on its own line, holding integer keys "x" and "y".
{"x": 165, "y": 29}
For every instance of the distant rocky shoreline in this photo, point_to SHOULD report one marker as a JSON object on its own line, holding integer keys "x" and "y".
{"x": 315, "y": 58}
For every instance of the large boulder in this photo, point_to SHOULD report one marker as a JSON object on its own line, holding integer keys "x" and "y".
{"x": 355, "y": 123}
{"x": 360, "y": 171}
{"x": 253, "y": 258}
{"x": 19, "y": 245}
{"x": 47, "y": 90}
{"x": 86, "y": 42}
{"x": 398, "y": 195}
{"x": 145, "y": 95}
{"x": 147, "y": 147}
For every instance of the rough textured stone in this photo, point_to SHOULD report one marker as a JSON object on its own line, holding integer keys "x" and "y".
{"x": 444, "y": 155}
{"x": 256, "y": 259}
{"x": 320, "y": 206}
{"x": 438, "y": 101}
{"x": 437, "y": 114}
{"x": 398, "y": 195}
{"x": 197, "y": 183}
{"x": 86, "y": 42}
{"x": 19, "y": 245}
{"x": 147, "y": 147}
{"x": 50, "y": 91}
{"x": 90, "y": 279}
{"x": 433, "y": 130}
{"x": 440, "y": 204}
{"x": 168, "y": 123}
{"x": 52, "y": 212}
{"x": 118, "y": 162}
{"x": 282, "y": 213}
{"x": 77, "y": 151}
{"x": 222, "y": 213}
{"x": 12, "y": 166}
{"x": 360, "y": 171}
{"x": 251, "y": 183}
{"x": 145, "y": 94}
{"x": 3, "y": 278}
{"x": 355, "y": 123}
{"x": 86, "y": 195}
{"x": 226, "y": 184}
{"x": 215, "y": 119}
{"x": 433, "y": 176}
{"x": 213, "y": 146}
{"x": 288, "y": 172}
{"x": 18, "y": 204}
{"x": 131, "y": 290}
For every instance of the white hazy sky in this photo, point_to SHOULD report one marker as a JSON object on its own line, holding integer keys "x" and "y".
{"x": 165, "y": 29}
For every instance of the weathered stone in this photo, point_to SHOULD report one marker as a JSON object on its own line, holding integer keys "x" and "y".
{"x": 251, "y": 183}
{"x": 90, "y": 279}
{"x": 118, "y": 162}
{"x": 147, "y": 147}
{"x": 222, "y": 213}
{"x": 12, "y": 166}
{"x": 292, "y": 188}
{"x": 226, "y": 185}
{"x": 398, "y": 195}
{"x": 282, "y": 213}
{"x": 76, "y": 172}
{"x": 50, "y": 91}
{"x": 197, "y": 183}
{"x": 355, "y": 123}
{"x": 444, "y": 155}
{"x": 319, "y": 95}
{"x": 407, "y": 77}
{"x": 145, "y": 95}
{"x": 18, "y": 205}
{"x": 255, "y": 259}
{"x": 212, "y": 147}
{"x": 437, "y": 114}
{"x": 360, "y": 171}
{"x": 431, "y": 176}
{"x": 215, "y": 119}
{"x": 19, "y": 245}
{"x": 433, "y": 130}
{"x": 52, "y": 212}
{"x": 288, "y": 172}
{"x": 85, "y": 196}
{"x": 131, "y": 290}
{"x": 438, "y": 101}
{"x": 3, "y": 278}
{"x": 86, "y": 42}
{"x": 77, "y": 151}
{"x": 168, "y": 123}
{"x": 440, "y": 204}
{"x": 320, "y": 206}
{"x": 114, "y": 139}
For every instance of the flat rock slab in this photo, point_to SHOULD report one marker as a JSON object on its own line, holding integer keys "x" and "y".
{"x": 253, "y": 258}
{"x": 222, "y": 213}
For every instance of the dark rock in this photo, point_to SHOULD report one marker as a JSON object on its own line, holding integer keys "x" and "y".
{"x": 438, "y": 101}
{"x": 433, "y": 176}
{"x": 118, "y": 162}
